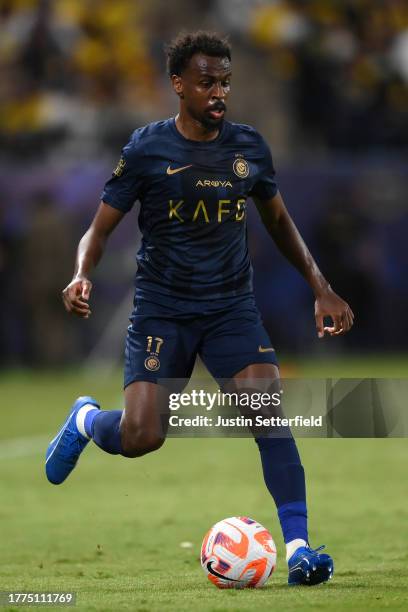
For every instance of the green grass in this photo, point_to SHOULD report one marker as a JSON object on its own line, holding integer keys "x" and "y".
{"x": 367, "y": 366}
{"x": 112, "y": 532}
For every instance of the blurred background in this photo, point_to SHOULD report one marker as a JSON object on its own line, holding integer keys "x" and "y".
{"x": 326, "y": 82}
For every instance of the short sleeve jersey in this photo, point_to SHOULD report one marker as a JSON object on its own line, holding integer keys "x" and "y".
{"x": 193, "y": 207}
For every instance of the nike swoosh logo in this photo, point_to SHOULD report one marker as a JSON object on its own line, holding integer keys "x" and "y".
{"x": 214, "y": 573}
{"x": 298, "y": 565}
{"x": 171, "y": 171}
{"x": 261, "y": 349}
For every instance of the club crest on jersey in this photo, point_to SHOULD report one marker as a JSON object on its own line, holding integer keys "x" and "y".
{"x": 152, "y": 363}
{"x": 241, "y": 167}
{"x": 118, "y": 171}
{"x": 153, "y": 347}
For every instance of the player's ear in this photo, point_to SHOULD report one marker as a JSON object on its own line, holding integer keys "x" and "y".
{"x": 177, "y": 85}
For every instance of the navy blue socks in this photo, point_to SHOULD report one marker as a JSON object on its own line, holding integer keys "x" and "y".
{"x": 285, "y": 479}
{"x": 103, "y": 426}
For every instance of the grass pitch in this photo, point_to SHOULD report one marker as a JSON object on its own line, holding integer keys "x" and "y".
{"x": 112, "y": 532}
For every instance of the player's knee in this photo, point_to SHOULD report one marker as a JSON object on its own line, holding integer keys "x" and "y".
{"x": 141, "y": 442}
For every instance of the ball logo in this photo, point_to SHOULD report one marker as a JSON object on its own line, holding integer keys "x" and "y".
{"x": 214, "y": 573}
{"x": 152, "y": 363}
{"x": 241, "y": 167}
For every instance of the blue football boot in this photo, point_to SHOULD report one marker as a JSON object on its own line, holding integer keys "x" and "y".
{"x": 307, "y": 566}
{"x": 64, "y": 450}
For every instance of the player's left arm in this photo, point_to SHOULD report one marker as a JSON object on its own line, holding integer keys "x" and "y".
{"x": 284, "y": 232}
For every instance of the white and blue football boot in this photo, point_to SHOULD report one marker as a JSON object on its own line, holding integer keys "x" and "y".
{"x": 307, "y": 566}
{"x": 64, "y": 450}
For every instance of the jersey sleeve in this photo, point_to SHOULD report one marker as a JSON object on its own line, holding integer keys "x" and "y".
{"x": 265, "y": 186}
{"x": 123, "y": 188}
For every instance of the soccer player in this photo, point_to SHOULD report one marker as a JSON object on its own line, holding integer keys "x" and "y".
{"x": 193, "y": 175}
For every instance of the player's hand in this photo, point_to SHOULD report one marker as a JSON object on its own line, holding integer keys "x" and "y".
{"x": 329, "y": 304}
{"x": 76, "y": 295}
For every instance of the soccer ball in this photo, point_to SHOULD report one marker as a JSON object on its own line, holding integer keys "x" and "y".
{"x": 237, "y": 553}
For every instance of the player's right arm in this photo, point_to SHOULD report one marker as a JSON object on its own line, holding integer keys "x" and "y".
{"x": 118, "y": 196}
{"x": 90, "y": 249}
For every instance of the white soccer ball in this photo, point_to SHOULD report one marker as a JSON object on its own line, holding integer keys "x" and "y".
{"x": 238, "y": 553}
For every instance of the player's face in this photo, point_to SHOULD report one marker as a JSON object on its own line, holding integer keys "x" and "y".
{"x": 205, "y": 86}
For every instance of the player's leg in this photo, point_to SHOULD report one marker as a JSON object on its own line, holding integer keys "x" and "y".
{"x": 145, "y": 418}
{"x": 285, "y": 479}
{"x": 281, "y": 465}
{"x": 240, "y": 352}
{"x": 157, "y": 349}
{"x": 139, "y": 429}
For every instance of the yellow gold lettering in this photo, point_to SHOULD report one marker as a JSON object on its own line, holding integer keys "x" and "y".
{"x": 222, "y": 210}
{"x": 159, "y": 342}
{"x": 120, "y": 167}
{"x": 240, "y": 214}
{"x": 201, "y": 206}
{"x": 173, "y": 210}
{"x": 213, "y": 183}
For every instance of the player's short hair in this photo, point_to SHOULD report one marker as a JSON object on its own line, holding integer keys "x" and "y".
{"x": 186, "y": 44}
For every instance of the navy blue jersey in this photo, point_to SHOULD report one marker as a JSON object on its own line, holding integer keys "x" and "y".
{"x": 193, "y": 198}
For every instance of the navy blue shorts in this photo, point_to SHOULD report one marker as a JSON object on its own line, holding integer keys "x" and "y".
{"x": 163, "y": 341}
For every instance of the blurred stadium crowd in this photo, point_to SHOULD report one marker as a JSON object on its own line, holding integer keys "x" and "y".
{"x": 326, "y": 82}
